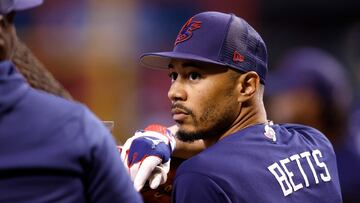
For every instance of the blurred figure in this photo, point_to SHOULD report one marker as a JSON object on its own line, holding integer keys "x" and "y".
{"x": 52, "y": 149}
{"x": 312, "y": 88}
{"x": 352, "y": 51}
{"x": 26, "y": 63}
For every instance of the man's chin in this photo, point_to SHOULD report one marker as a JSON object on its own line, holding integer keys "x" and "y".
{"x": 191, "y": 136}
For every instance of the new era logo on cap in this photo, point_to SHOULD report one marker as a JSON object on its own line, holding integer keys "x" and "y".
{"x": 237, "y": 57}
{"x": 217, "y": 38}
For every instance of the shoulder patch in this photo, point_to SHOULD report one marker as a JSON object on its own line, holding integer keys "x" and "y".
{"x": 270, "y": 133}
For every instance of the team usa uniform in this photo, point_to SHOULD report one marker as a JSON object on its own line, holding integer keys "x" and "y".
{"x": 258, "y": 163}
{"x": 262, "y": 163}
{"x": 53, "y": 150}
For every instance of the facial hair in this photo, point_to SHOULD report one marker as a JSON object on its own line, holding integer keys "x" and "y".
{"x": 220, "y": 124}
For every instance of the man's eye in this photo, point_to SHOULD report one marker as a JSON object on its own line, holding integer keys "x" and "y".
{"x": 194, "y": 76}
{"x": 173, "y": 76}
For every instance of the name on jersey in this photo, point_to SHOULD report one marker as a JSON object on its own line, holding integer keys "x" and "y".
{"x": 290, "y": 173}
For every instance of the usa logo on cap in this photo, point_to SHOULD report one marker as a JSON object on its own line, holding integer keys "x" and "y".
{"x": 187, "y": 31}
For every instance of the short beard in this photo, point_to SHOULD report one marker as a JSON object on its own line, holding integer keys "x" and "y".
{"x": 192, "y": 136}
{"x": 219, "y": 128}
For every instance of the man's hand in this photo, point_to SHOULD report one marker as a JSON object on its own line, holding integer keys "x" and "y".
{"x": 146, "y": 155}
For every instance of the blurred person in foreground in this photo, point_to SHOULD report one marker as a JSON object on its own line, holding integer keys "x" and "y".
{"x": 218, "y": 73}
{"x": 52, "y": 149}
{"x": 311, "y": 87}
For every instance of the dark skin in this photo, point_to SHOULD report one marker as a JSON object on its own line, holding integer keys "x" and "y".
{"x": 196, "y": 87}
{"x": 7, "y": 36}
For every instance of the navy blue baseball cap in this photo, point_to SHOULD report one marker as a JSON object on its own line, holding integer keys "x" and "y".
{"x": 6, "y": 6}
{"x": 217, "y": 38}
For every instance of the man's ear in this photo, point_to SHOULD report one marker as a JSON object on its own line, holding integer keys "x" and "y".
{"x": 248, "y": 85}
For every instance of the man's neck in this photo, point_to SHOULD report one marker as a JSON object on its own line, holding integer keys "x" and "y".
{"x": 248, "y": 116}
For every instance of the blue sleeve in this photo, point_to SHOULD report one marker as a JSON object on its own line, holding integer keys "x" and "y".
{"x": 106, "y": 176}
{"x": 193, "y": 187}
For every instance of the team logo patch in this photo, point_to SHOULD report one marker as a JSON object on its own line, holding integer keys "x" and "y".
{"x": 270, "y": 133}
{"x": 186, "y": 31}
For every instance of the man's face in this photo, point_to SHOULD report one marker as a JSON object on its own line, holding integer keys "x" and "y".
{"x": 7, "y": 36}
{"x": 204, "y": 99}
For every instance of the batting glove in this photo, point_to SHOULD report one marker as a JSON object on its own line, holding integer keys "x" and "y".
{"x": 146, "y": 155}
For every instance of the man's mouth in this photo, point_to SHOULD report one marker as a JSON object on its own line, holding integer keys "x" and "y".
{"x": 179, "y": 114}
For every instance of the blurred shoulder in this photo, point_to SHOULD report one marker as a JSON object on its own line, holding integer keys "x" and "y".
{"x": 58, "y": 111}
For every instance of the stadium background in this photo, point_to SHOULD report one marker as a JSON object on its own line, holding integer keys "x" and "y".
{"x": 92, "y": 46}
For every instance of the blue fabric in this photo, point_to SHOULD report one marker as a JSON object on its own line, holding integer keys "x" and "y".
{"x": 236, "y": 169}
{"x": 348, "y": 160}
{"x": 6, "y": 6}
{"x": 214, "y": 37}
{"x": 146, "y": 146}
{"x": 54, "y": 150}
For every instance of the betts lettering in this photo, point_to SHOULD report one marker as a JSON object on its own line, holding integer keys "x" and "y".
{"x": 294, "y": 172}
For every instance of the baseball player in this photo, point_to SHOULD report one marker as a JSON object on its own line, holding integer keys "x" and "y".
{"x": 52, "y": 149}
{"x": 218, "y": 74}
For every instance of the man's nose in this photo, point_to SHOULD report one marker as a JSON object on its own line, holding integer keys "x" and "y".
{"x": 177, "y": 91}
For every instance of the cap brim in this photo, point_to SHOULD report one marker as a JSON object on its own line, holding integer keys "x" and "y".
{"x": 26, "y": 4}
{"x": 161, "y": 60}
